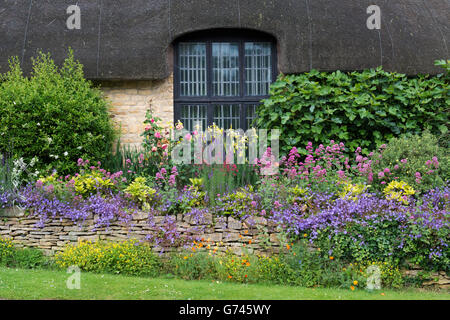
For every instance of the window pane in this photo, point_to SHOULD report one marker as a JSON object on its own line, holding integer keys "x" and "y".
{"x": 192, "y": 68}
{"x": 258, "y": 68}
{"x": 225, "y": 62}
{"x": 227, "y": 116}
{"x": 251, "y": 115}
{"x": 193, "y": 115}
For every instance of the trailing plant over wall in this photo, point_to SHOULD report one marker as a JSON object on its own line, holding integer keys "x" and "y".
{"x": 362, "y": 109}
{"x": 54, "y": 115}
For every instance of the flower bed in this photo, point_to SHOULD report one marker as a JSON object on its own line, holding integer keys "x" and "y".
{"x": 351, "y": 209}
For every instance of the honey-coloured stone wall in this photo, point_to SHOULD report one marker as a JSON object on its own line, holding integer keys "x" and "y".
{"x": 130, "y": 101}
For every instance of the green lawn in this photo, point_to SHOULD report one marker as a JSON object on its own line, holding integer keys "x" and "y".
{"x": 46, "y": 284}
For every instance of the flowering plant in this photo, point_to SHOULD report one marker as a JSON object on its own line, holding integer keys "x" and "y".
{"x": 156, "y": 143}
{"x": 398, "y": 190}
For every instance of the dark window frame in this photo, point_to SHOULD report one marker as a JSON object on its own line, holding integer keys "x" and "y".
{"x": 222, "y": 35}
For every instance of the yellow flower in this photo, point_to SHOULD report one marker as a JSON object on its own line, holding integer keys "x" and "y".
{"x": 355, "y": 282}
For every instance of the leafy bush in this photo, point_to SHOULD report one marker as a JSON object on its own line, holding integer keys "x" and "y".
{"x": 192, "y": 266}
{"x": 238, "y": 204}
{"x": 389, "y": 275}
{"x": 6, "y": 249}
{"x": 415, "y": 159}
{"x": 140, "y": 192}
{"x": 26, "y": 258}
{"x": 128, "y": 257}
{"x": 363, "y": 109}
{"x": 55, "y": 114}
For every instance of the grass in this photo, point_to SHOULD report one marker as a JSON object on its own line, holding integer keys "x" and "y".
{"x": 48, "y": 284}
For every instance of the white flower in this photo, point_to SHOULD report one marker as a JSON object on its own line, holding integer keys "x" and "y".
{"x": 66, "y": 154}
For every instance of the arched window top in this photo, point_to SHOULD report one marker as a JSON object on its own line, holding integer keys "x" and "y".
{"x": 226, "y": 35}
{"x": 221, "y": 76}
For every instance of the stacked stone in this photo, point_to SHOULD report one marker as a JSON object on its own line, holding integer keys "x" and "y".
{"x": 225, "y": 233}
{"x": 130, "y": 101}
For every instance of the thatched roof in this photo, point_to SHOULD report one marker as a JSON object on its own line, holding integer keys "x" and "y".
{"x": 131, "y": 39}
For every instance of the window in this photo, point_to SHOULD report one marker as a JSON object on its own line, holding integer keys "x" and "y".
{"x": 221, "y": 79}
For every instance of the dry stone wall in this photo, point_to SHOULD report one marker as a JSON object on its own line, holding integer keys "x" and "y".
{"x": 222, "y": 232}
{"x": 256, "y": 236}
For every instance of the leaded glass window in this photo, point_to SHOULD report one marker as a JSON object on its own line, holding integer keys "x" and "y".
{"x": 258, "y": 68}
{"x": 227, "y": 116}
{"x": 192, "y": 64}
{"x": 221, "y": 79}
{"x": 194, "y": 115}
{"x": 225, "y": 61}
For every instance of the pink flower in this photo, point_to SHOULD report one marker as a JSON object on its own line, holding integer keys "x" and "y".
{"x": 152, "y": 120}
{"x": 163, "y": 171}
{"x": 188, "y": 137}
{"x": 277, "y": 204}
{"x": 381, "y": 175}
{"x": 404, "y": 160}
{"x": 157, "y": 135}
{"x": 396, "y": 167}
{"x": 154, "y": 149}
{"x": 147, "y": 128}
{"x": 172, "y": 181}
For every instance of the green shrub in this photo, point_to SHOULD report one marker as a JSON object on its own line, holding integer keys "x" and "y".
{"x": 26, "y": 258}
{"x": 362, "y": 109}
{"x": 140, "y": 192}
{"x": 411, "y": 154}
{"x": 129, "y": 257}
{"x": 6, "y": 250}
{"x": 192, "y": 266}
{"x": 55, "y": 114}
